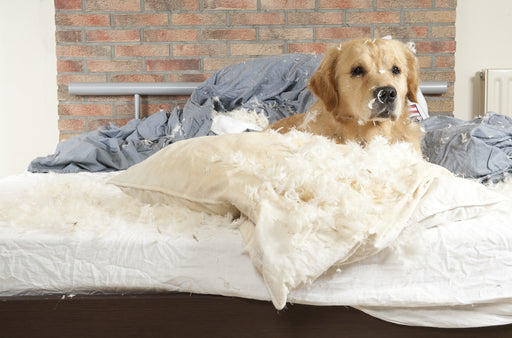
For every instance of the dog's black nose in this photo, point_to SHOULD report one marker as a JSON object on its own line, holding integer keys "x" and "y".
{"x": 385, "y": 95}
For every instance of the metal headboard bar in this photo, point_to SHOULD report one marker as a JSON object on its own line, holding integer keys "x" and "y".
{"x": 184, "y": 88}
{"x": 134, "y": 88}
{"x": 434, "y": 87}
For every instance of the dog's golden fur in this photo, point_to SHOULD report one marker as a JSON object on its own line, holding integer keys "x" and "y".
{"x": 362, "y": 87}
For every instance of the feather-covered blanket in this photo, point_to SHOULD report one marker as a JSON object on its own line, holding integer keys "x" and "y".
{"x": 327, "y": 205}
{"x": 307, "y": 204}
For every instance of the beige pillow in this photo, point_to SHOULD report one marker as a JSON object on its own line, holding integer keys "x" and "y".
{"x": 203, "y": 173}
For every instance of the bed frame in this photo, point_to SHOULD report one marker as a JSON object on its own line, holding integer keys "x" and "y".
{"x": 192, "y": 315}
{"x": 186, "y": 315}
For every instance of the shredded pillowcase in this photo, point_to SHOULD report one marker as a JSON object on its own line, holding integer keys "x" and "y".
{"x": 307, "y": 203}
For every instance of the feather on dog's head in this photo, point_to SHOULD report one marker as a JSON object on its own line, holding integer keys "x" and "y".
{"x": 369, "y": 80}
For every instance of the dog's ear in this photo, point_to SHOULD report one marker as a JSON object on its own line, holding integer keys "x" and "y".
{"x": 323, "y": 81}
{"x": 413, "y": 74}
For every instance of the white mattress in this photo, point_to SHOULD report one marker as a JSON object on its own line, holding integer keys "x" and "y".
{"x": 75, "y": 234}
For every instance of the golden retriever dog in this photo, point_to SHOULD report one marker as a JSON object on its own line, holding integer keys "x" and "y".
{"x": 362, "y": 88}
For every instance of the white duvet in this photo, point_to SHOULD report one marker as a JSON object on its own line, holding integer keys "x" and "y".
{"x": 379, "y": 229}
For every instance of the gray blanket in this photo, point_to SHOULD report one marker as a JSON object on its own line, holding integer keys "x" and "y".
{"x": 273, "y": 85}
{"x": 480, "y": 149}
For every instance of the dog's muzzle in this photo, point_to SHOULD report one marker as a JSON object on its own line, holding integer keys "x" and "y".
{"x": 383, "y": 104}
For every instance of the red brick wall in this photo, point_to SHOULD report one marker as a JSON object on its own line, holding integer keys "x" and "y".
{"x": 188, "y": 40}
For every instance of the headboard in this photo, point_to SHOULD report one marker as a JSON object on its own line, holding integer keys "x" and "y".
{"x": 184, "y": 88}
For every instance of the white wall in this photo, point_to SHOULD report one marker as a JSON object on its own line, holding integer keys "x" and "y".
{"x": 484, "y": 40}
{"x": 28, "y": 84}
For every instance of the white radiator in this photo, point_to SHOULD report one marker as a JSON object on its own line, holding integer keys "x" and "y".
{"x": 498, "y": 91}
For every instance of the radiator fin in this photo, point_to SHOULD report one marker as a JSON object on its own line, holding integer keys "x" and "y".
{"x": 498, "y": 91}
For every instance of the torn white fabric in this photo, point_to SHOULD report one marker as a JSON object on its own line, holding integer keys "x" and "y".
{"x": 327, "y": 204}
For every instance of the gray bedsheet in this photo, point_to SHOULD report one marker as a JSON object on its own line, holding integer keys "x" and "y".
{"x": 274, "y": 85}
{"x": 480, "y": 149}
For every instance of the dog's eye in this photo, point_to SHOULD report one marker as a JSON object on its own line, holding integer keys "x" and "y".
{"x": 395, "y": 70}
{"x": 357, "y": 71}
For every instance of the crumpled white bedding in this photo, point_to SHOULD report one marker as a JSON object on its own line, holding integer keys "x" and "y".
{"x": 76, "y": 234}
{"x": 308, "y": 203}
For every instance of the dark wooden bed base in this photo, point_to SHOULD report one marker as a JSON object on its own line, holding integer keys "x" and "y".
{"x": 185, "y": 315}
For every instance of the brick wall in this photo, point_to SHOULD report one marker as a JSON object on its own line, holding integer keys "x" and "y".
{"x": 188, "y": 40}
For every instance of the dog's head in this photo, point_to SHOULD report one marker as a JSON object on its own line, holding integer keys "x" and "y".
{"x": 369, "y": 80}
